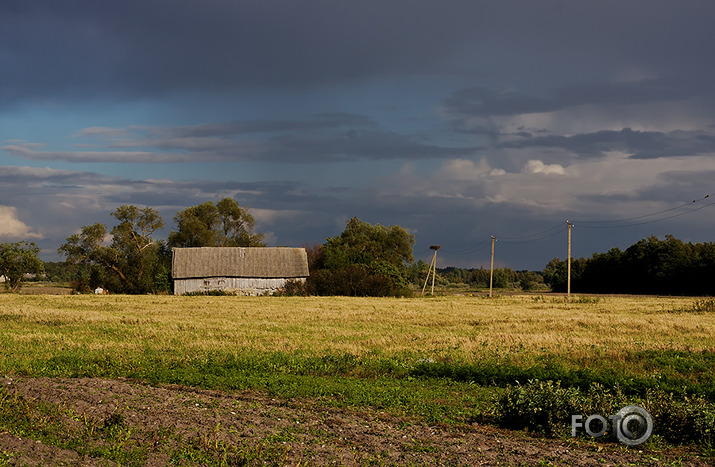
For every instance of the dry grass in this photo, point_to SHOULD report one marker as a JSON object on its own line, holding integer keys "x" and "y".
{"x": 458, "y": 328}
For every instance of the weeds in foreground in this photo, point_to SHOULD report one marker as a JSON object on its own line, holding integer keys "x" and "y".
{"x": 547, "y": 407}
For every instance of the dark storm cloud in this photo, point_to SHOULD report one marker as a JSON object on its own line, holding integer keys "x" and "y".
{"x": 324, "y": 138}
{"x": 684, "y": 186}
{"x": 273, "y": 195}
{"x": 31, "y": 178}
{"x": 115, "y": 191}
{"x": 638, "y": 144}
{"x": 79, "y": 48}
{"x": 71, "y": 189}
{"x": 84, "y": 48}
{"x": 317, "y": 122}
{"x": 486, "y": 102}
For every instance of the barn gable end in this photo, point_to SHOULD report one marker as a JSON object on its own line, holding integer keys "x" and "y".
{"x": 245, "y": 271}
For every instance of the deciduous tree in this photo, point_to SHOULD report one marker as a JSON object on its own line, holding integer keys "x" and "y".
{"x": 127, "y": 260}
{"x": 16, "y": 260}
{"x": 365, "y": 259}
{"x": 225, "y": 223}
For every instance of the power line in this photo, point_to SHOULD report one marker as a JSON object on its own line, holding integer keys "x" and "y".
{"x": 560, "y": 228}
{"x": 544, "y": 234}
{"x": 473, "y": 249}
{"x": 646, "y": 215}
{"x": 533, "y": 237}
{"x": 645, "y": 222}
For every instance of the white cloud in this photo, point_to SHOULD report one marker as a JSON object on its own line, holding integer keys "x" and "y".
{"x": 11, "y": 227}
{"x": 464, "y": 169}
{"x": 538, "y": 167}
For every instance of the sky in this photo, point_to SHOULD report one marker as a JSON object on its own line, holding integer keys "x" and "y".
{"x": 458, "y": 120}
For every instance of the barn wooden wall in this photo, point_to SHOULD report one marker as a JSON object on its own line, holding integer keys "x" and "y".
{"x": 240, "y": 286}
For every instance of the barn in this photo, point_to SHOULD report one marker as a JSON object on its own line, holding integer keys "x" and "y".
{"x": 244, "y": 271}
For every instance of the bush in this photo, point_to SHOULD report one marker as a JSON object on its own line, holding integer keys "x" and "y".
{"x": 691, "y": 419}
{"x": 546, "y": 407}
{"x": 353, "y": 280}
{"x": 294, "y": 288}
{"x": 541, "y": 406}
{"x": 599, "y": 400}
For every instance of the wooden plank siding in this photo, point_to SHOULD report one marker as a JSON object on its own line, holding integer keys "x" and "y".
{"x": 243, "y": 271}
{"x": 239, "y": 286}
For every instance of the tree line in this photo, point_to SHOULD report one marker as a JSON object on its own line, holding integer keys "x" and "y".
{"x": 478, "y": 278}
{"x": 131, "y": 260}
{"x": 364, "y": 260}
{"x": 649, "y": 266}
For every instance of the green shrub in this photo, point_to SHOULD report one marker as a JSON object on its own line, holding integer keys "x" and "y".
{"x": 546, "y": 407}
{"x": 691, "y": 419}
{"x": 542, "y": 406}
{"x": 602, "y": 401}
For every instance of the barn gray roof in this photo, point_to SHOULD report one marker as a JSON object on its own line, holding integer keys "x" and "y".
{"x": 259, "y": 262}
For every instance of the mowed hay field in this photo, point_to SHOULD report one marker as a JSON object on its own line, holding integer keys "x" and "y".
{"x": 521, "y": 329}
{"x": 436, "y": 360}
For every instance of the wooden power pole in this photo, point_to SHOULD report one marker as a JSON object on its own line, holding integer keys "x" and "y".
{"x": 491, "y": 268}
{"x": 568, "y": 265}
{"x": 432, "y": 268}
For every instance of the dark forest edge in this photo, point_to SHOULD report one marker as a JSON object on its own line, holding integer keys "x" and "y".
{"x": 650, "y": 266}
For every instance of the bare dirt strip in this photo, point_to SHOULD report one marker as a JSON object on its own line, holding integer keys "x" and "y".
{"x": 251, "y": 428}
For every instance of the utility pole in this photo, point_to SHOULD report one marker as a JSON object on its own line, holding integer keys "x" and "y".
{"x": 491, "y": 268}
{"x": 432, "y": 268}
{"x": 568, "y": 265}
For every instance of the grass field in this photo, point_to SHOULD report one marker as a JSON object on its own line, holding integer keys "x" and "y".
{"x": 439, "y": 358}
{"x": 598, "y": 333}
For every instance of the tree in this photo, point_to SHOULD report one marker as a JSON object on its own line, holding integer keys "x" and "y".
{"x": 365, "y": 259}
{"x": 529, "y": 280}
{"x": 16, "y": 260}
{"x": 133, "y": 262}
{"x": 364, "y": 243}
{"x": 225, "y": 223}
{"x": 500, "y": 279}
{"x": 555, "y": 275}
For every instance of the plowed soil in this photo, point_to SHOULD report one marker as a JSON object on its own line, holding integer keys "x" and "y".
{"x": 249, "y": 428}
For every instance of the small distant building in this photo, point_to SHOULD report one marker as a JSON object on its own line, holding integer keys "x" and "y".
{"x": 243, "y": 271}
